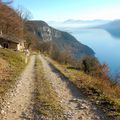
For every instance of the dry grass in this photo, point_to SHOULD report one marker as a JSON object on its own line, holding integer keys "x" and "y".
{"x": 11, "y": 65}
{"x": 104, "y": 93}
{"x": 47, "y": 103}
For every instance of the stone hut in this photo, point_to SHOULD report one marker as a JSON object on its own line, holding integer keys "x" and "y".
{"x": 11, "y": 43}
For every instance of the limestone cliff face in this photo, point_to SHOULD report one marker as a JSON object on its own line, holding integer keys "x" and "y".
{"x": 63, "y": 40}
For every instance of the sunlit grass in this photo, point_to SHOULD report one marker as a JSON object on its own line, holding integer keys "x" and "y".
{"x": 11, "y": 65}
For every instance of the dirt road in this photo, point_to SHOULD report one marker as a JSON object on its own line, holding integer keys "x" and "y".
{"x": 74, "y": 104}
{"x": 19, "y": 101}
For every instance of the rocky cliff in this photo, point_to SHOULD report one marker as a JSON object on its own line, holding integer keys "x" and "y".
{"x": 63, "y": 40}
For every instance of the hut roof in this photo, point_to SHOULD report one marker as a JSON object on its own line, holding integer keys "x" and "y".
{"x": 10, "y": 38}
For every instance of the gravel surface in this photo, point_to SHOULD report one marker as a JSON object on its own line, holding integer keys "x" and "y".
{"x": 18, "y": 103}
{"x": 74, "y": 104}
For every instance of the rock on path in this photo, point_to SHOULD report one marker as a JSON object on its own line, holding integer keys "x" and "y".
{"x": 75, "y": 106}
{"x": 19, "y": 101}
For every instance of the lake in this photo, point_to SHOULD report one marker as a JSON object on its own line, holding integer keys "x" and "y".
{"x": 105, "y": 46}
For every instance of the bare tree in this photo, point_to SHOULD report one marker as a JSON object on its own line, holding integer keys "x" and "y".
{"x": 10, "y": 22}
{"x": 24, "y": 13}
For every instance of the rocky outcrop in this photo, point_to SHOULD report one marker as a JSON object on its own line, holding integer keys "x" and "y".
{"x": 63, "y": 40}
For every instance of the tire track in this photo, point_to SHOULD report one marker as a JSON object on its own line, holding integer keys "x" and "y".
{"x": 74, "y": 105}
{"x": 18, "y": 104}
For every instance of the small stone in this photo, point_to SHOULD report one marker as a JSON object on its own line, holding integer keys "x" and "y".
{"x": 97, "y": 118}
{"x": 8, "y": 103}
{"x": 2, "y": 112}
{"x": 80, "y": 118}
{"x": 8, "y": 106}
{"x": 97, "y": 102}
{"x": 83, "y": 106}
{"x": 94, "y": 108}
{"x": 14, "y": 111}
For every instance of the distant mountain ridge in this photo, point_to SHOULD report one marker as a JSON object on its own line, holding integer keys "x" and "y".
{"x": 87, "y": 21}
{"x": 73, "y": 24}
{"x": 112, "y": 27}
{"x": 63, "y": 40}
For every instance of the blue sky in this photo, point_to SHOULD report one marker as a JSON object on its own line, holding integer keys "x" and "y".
{"x": 61, "y": 10}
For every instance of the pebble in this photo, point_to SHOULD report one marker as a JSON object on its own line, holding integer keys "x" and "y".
{"x": 83, "y": 106}
{"x": 8, "y": 106}
{"x": 80, "y": 118}
{"x": 97, "y": 102}
{"x": 97, "y": 118}
{"x": 14, "y": 111}
{"x": 2, "y": 112}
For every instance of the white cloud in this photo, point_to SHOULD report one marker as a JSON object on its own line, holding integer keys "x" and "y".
{"x": 111, "y": 13}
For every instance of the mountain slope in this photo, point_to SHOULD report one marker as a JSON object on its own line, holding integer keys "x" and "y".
{"x": 112, "y": 27}
{"x": 63, "y": 40}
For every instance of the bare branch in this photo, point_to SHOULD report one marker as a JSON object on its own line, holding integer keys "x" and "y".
{"x": 23, "y": 13}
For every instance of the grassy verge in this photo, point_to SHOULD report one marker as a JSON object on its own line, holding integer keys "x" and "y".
{"x": 47, "y": 103}
{"x": 105, "y": 94}
{"x": 11, "y": 65}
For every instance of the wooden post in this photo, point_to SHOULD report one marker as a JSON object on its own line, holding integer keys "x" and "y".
{"x": 26, "y": 59}
{"x": 1, "y": 33}
{"x": 27, "y": 53}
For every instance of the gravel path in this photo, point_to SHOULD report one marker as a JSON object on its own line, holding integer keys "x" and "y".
{"x": 74, "y": 104}
{"x": 19, "y": 101}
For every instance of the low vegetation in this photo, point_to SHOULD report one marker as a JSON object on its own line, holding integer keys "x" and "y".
{"x": 87, "y": 73}
{"x": 90, "y": 77}
{"x": 47, "y": 104}
{"x": 11, "y": 65}
{"x": 102, "y": 92}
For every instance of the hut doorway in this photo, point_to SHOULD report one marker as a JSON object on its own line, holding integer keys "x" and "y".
{"x": 5, "y": 45}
